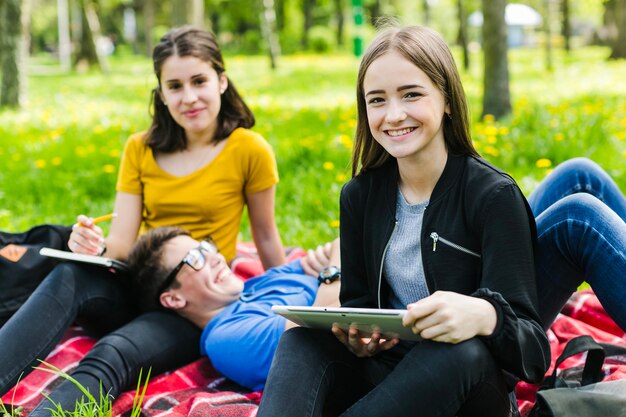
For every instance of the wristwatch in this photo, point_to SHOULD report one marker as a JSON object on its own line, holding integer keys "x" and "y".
{"x": 329, "y": 274}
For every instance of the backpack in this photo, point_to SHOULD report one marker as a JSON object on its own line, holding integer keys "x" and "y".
{"x": 582, "y": 394}
{"x": 22, "y": 268}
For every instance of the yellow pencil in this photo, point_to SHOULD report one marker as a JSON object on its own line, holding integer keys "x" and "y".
{"x": 104, "y": 218}
{"x": 101, "y": 218}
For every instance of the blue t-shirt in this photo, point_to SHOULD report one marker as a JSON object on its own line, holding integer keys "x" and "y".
{"x": 241, "y": 340}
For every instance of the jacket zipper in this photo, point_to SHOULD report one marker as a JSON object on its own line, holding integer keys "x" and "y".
{"x": 436, "y": 238}
{"x": 382, "y": 262}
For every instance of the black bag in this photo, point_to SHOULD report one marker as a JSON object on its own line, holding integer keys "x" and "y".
{"x": 22, "y": 268}
{"x": 583, "y": 395}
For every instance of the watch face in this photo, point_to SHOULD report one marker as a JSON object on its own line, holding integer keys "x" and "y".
{"x": 329, "y": 274}
{"x": 329, "y": 271}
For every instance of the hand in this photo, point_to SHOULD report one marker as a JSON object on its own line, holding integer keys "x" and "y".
{"x": 316, "y": 260}
{"x": 450, "y": 317}
{"x": 86, "y": 237}
{"x": 361, "y": 346}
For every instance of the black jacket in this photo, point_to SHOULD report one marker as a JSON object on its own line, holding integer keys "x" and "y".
{"x": 477, "y": 239}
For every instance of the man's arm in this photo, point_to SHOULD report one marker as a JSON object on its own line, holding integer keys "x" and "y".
{"x": 313, "y": 263}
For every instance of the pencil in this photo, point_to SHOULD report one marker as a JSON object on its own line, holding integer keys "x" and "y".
{"x": 101, "y": 218}
{"x": 104, "y": 218}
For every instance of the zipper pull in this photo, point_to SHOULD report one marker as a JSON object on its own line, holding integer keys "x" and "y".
{"x": 435, "y": 237}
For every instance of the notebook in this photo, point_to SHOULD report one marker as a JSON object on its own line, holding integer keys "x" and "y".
{"x": 113, "y": 264}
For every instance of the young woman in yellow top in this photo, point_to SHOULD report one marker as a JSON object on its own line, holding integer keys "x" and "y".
{"x": 196, "y": 167}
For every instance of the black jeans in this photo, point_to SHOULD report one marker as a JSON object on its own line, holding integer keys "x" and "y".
{"x": 101, "y": 303}
{"x": 71, "y": 292}
{"x": 313, "y": 375}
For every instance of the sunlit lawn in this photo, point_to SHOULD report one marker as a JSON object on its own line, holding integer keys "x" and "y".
{"x": 59, "y": 155}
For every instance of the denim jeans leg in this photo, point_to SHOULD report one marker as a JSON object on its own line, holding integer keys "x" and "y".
{"x": 578, "y": 175}
{"x": 36, "y": 328}
{"x": 158, "y": 341}
{"x": 581, "y": 239}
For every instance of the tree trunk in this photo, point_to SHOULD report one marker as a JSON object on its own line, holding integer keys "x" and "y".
{"x": 496, "y": 98}
{"x": 268, "y": 25}
{"x": 148, "y": 24}
{"x": 65, "y": 45}
{"x": 10, "y": 33}
{"x": 179, "y": 12}
{"x": 375, "y": 11}
{"x": 307, "y": 9}
{"x": 547, "y": 26}
{"x": 618, "y": 51}
{"x": 197, "y": 13}
{"x": 93, "y": 27}
{"x": 566, "y": 27}
{"x": 462, "y": 37}
{"x": 340, "y": 21}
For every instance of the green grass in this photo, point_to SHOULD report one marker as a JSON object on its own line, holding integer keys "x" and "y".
{"x": 88, "y": 406}
{"x": 59, "y": 155}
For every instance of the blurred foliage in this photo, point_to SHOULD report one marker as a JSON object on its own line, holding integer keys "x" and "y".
{"x": 60, "y": 154}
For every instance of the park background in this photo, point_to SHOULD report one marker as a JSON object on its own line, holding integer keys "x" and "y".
{"x": 73, "y": 89}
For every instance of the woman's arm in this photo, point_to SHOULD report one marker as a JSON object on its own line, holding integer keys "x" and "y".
{"x": 125, "y": 226}
{"x": 263, "y": 226}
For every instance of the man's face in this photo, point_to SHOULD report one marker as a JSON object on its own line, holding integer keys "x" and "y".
{"x": 213, "y": 286}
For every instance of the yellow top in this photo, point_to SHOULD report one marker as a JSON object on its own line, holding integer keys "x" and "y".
{"x": 208, "y": 201}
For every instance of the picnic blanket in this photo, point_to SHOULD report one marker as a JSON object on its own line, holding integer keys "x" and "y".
{"x": 198, "y": 390}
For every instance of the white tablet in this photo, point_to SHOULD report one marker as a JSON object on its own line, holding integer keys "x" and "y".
{"x": 387, "y": 321}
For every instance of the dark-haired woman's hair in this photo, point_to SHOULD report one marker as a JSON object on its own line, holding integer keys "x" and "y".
{"x": 429, "y": 52}
{"x": 145, "y": 262}
{"x": 165, "y": 135}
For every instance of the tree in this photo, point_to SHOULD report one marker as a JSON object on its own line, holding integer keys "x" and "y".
{"x": 496, "y": 97}
{"x": 340, "y": 20}
{"x": 618, "y": 45}
{"x": 307, "y": 10}
{"x": 566, "y": 27}
{"x": 268, "y": 26}
{"x": 88, "y": 50}
{"x": 462, "y": 36}
{"x": 10, "y": 36}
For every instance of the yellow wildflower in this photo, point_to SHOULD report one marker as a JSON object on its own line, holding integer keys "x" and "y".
{"x": 328, "y": 165}
{"x": 114, "y": 153}
{"x": 489, "y": 118}
{"x": 334, "y": 224}
{"x": 491, "y": 140}
{"x": 491, "y": 150}
{"x": 56, "y": 161}
{"x": 341, "y": 177}
{"x": 543, "y": 163}
{"x": 559, "y": 137}
{"x": 503, "y": 131}
{"x": 108, "y": 168}
{"x": 40, "y": 163}
{"x": 491, "y": 130}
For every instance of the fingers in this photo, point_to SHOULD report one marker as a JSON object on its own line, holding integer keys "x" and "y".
{"x": 360, "y": 346}
{"x": 86, "y": 237}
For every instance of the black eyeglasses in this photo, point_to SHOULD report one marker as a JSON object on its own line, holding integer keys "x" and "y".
{"x": 195, "y": 259}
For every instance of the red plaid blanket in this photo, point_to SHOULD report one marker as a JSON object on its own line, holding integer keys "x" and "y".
{"x": 198, "y": 390}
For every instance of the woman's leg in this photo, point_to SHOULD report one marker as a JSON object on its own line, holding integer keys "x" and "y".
{"x": 581, "y": 239}
{"x": 578, "y": 175}
{"x": 312, "y": 374}
{"x": 69, "y": 291}
{"x": 160, "y": 341}
{"x": 440, "y": 379}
